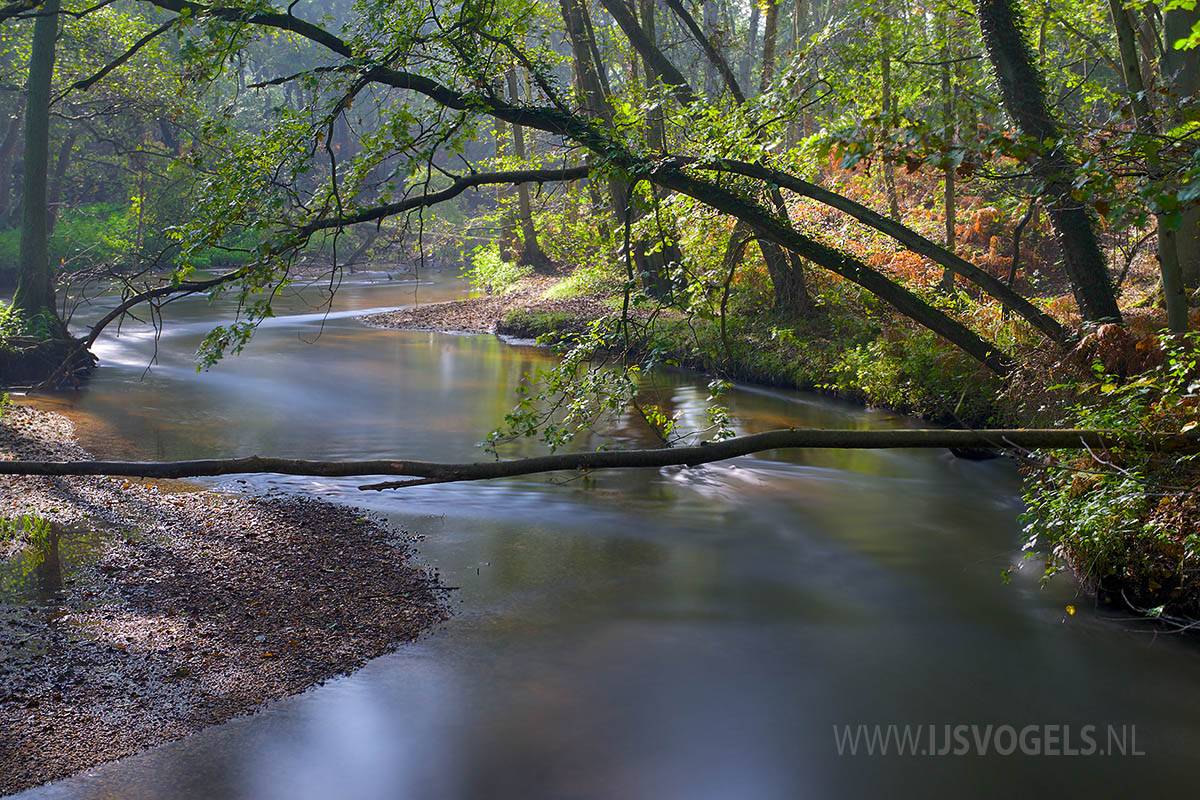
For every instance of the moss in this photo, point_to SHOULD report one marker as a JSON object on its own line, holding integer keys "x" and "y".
{"x": 33, "y": 350}
{"x": 534, "y": 323}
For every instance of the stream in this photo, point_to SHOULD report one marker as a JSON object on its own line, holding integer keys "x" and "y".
{"x": 677, "y": 633}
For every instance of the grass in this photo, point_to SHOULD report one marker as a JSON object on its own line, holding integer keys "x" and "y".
{"x": 28, "y": 527}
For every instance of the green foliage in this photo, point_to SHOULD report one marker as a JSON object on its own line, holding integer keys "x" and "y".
{"x": 556, "y": 405}
{"x": 28, "y": 527}
{"x": 491, "y": 272}
{"x": 547, "y": 326}
{"x": 1124, "y": 518}
{"x": 918, "y": 371}
{"x": 11, "y": 324}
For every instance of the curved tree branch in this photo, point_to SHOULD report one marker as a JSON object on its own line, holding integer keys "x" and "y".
{"x": 647, "y": 49}
{"x": 714, "y": 56}
{"x": 459, "y": 186}
{"x": 89, "y": 82}
{"x": 902, "y": 234}
{"x": 596, "y": 139}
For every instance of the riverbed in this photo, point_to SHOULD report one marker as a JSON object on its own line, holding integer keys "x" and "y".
{"x": 679, "y": 633}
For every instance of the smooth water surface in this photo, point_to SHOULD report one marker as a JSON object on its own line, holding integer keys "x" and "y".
{"x": 682, "y": 633}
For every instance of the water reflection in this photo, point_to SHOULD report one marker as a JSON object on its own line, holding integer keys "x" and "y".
{"x": 36, "y": 574}
{"x": 690, "y": 633}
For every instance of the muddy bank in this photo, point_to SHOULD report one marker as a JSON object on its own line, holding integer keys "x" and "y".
{"x": 146, "y": 613}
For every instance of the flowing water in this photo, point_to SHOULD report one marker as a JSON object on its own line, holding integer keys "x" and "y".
{"x": 683, "y": 633}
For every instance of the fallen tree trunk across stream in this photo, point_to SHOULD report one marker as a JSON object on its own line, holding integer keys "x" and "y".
{"x": 430, "y": 472}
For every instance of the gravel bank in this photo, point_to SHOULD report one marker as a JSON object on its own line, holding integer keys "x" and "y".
{"x": 483, "y": 314}
{"x": 189, "y": 607}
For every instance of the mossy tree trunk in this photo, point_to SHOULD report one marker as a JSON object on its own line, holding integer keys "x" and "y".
{"x": 1181, "y": 70}
{"x": 1169, "y": 250}
{"x": 34, "y": 296}
{"x": 8, "y": 149}
{"x": 1023, "y": 91}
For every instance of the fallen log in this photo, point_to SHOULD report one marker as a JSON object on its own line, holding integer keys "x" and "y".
{"x": 429, "y": 472}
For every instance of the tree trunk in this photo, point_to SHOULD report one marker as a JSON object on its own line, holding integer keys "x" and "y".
{"x": 1169, "y": 249}
{"x": 8, "y": 148}
{"x": 949, "y": 130}
{"x": 651, "y": 267}
{"x": 785, "y": 268}
{"x": 655, "y": 121}
{"x": 770, "y": 25}
{"x": 507, "y": 240}
{"x": 1188, "y": 243}
{"x": 888, "y": 102}
{"x": 1181, "y": 70}
{"x": 841, "y": 263}
{"x": 427, "y": 472}
{"x": 1023, "y": 91}
{"x": 55, "y": 197}
{"x": 712, "y": 80}
{"x": 35, "y": 284}
{"x": 531, "y": 252}
{"x": 747, "y": 66}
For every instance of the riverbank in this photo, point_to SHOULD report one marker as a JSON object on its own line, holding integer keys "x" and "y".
{"x": 1122, "y": 521}
{"x": 835, "y": 353}
{"x": 146, "y": 612}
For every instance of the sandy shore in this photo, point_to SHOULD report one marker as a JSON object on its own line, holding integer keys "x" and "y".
{"x": 190, "y": 608}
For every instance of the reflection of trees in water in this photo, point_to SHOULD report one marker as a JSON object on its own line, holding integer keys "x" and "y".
{"x": 49, "y": 568}
{"x": 37, "y": 571}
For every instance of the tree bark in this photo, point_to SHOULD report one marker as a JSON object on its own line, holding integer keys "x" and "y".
{"x": 35, "y": 284}
{"x": 712, "y": 79}
{"x": 642, "y": 40}
{"x": 770, "y": 29}
{"x": 1023, "y": 91}
{"x": 747, "y": 65}
{"x": 841, "y": 263}
{"x": 907, "y": 237}
{"x": 1181, "y": 70}
{"x": 8, "y": 147}
{"x": 55, "y": 192}
{"x": 656, "y": 133}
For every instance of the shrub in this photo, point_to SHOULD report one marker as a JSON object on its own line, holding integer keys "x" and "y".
{"x": 1125, "y": 519}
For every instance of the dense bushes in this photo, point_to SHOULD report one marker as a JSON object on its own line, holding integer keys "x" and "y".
{"x": 1126, "y": 519}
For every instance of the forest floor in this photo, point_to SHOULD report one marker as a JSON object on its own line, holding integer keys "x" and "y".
{"x": 149, "y": 611}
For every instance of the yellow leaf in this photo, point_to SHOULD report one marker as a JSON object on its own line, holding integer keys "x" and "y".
{"x": 1071, "y": 610}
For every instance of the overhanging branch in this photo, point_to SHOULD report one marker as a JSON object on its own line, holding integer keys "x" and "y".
{"x": 459, "y": 186}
